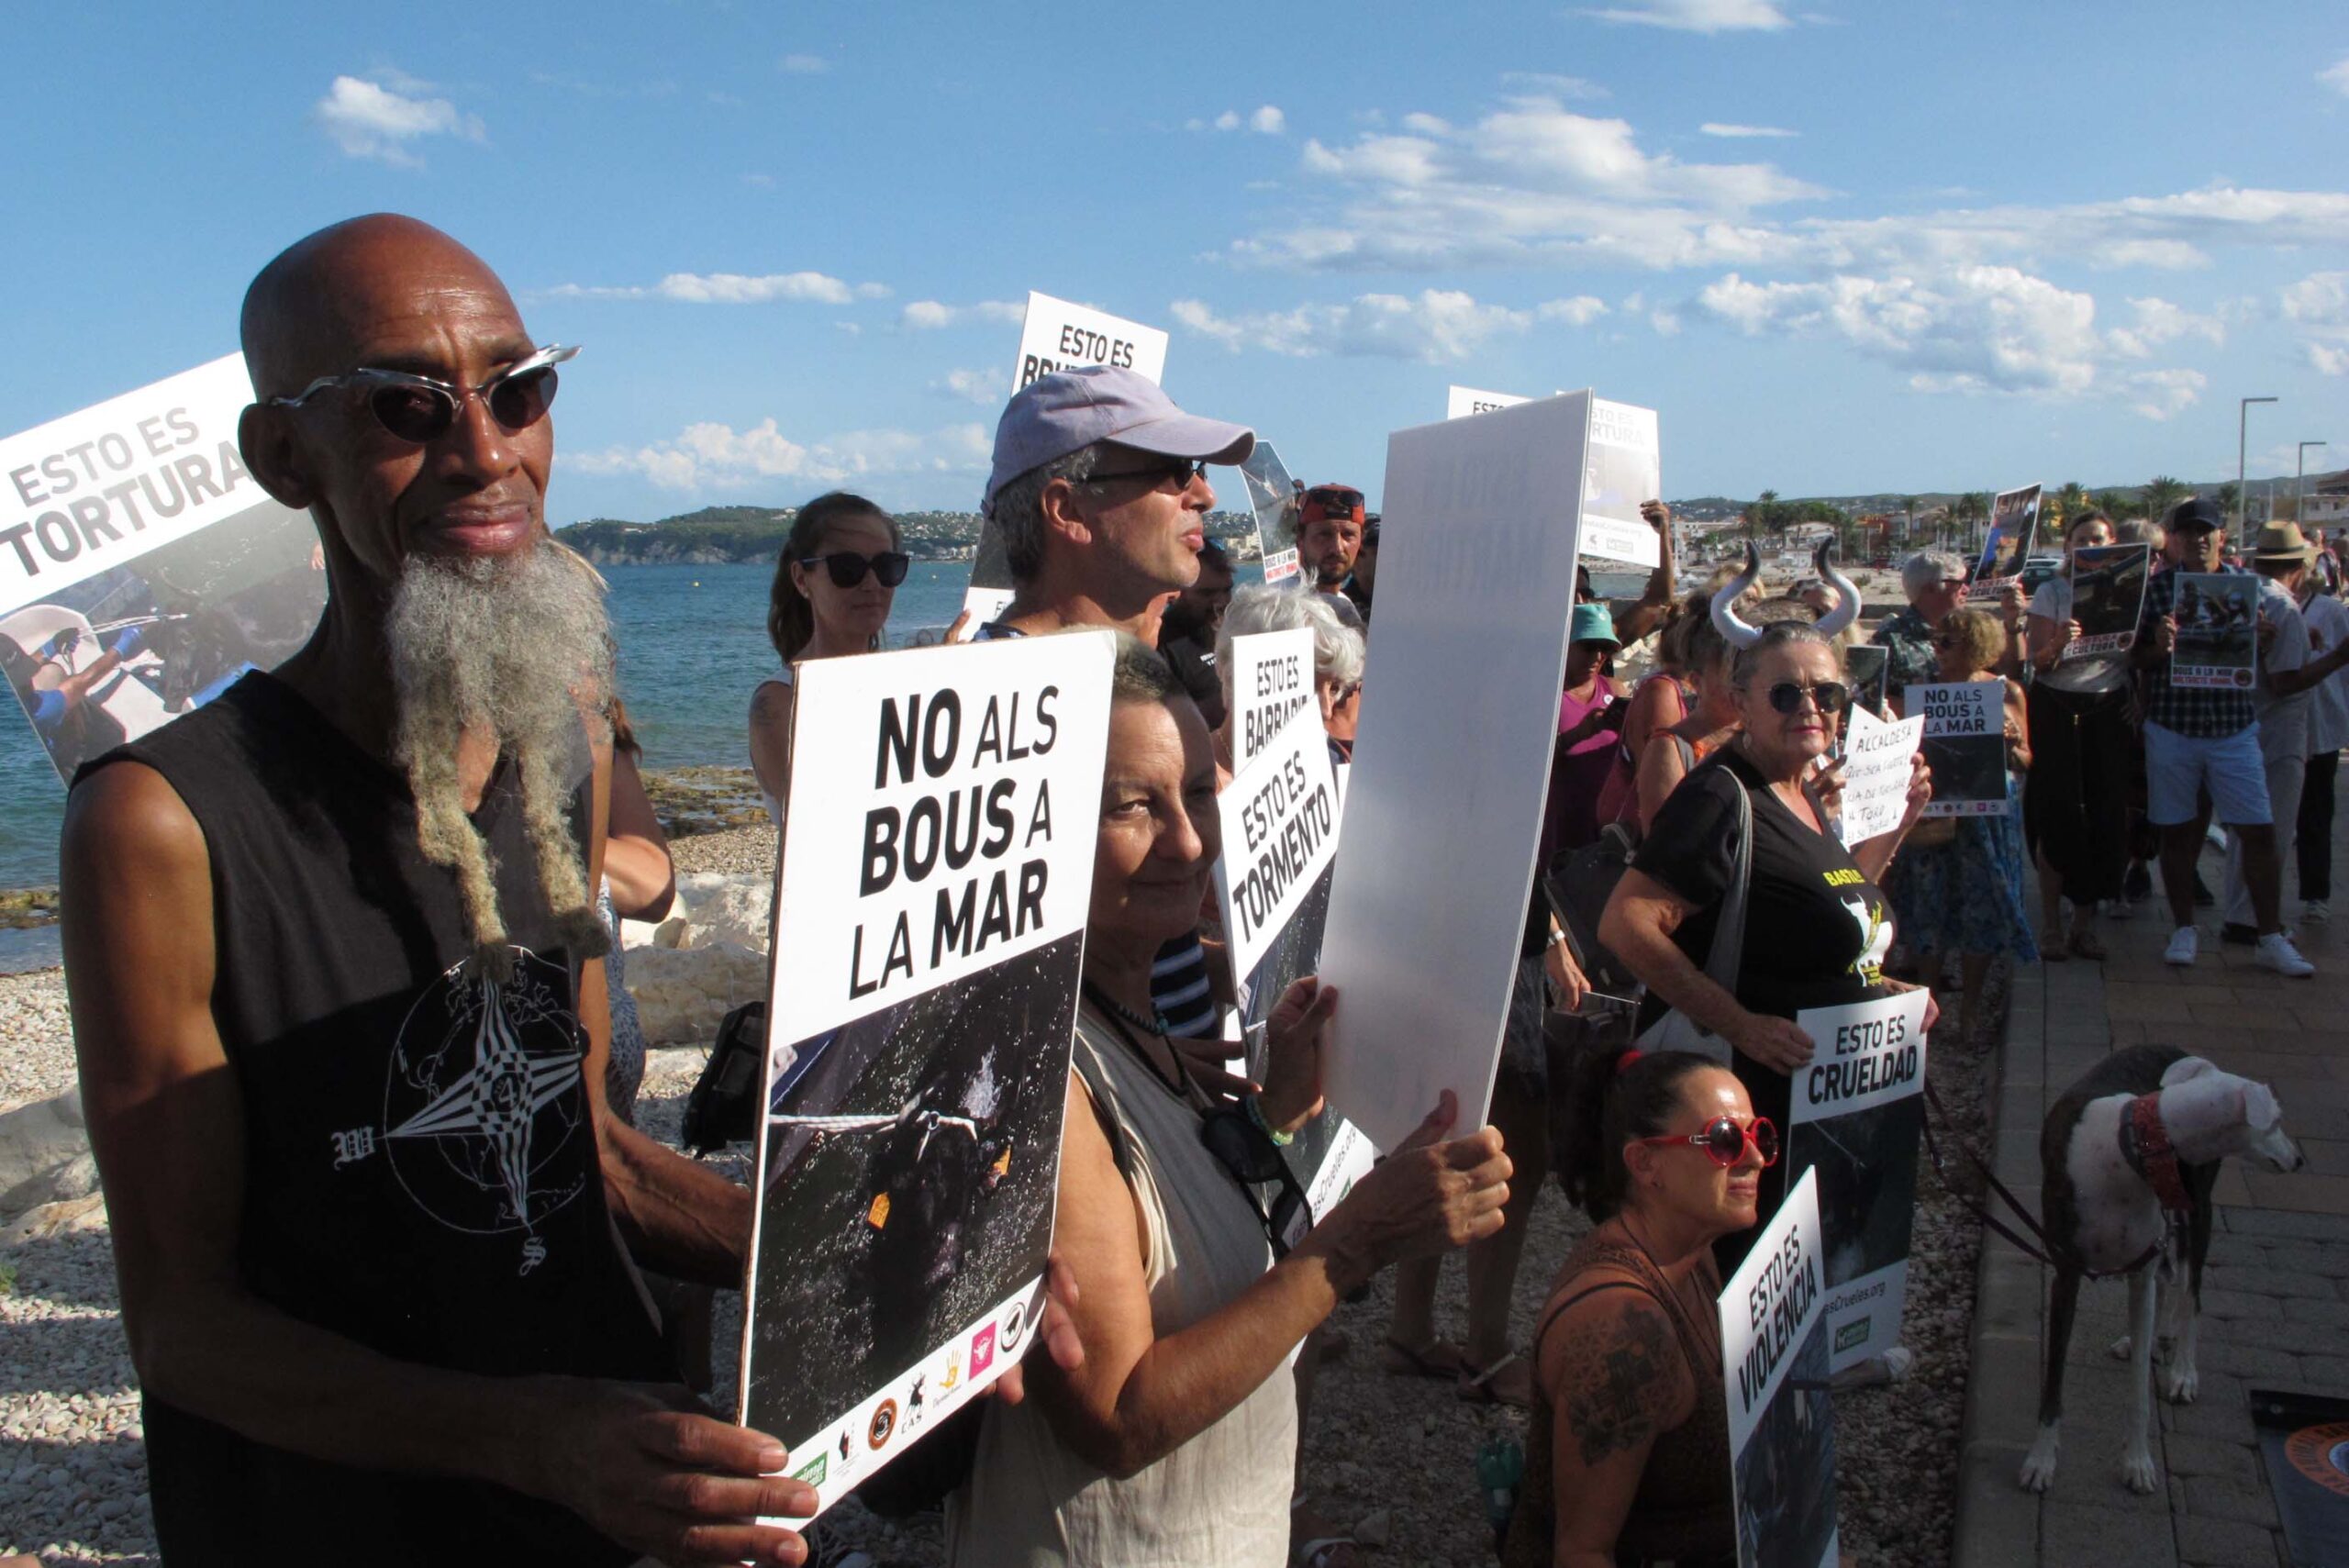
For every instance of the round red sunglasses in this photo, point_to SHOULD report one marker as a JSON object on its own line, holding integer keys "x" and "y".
{"x": 1725, "y": 1142}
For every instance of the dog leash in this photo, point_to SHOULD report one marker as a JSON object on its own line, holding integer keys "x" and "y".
{"x": 2046, "y": 1245}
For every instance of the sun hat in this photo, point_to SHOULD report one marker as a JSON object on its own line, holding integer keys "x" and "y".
{"x": 1594, "y": 623}
{"x": 2282, "y": 542}
{"x": 1069, "y": 410}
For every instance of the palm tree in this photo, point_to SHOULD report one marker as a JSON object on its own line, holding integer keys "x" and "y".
{"x": 2162, "y": 492}
{"x": 2069, "y": 502}
{"x": 2119, "y": 500}
{"x": 2229, "y": 500}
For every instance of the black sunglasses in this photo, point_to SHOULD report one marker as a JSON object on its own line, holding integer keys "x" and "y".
{"x": 847, "y": 570}
{"x": 1248, "y": 1153}
{"x": 1179, "y": 473}
{"x": 420, "y": 409}
{"x": 1830, "y": 695}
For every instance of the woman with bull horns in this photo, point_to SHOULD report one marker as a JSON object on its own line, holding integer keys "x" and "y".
{"x": 1813, "y": 925}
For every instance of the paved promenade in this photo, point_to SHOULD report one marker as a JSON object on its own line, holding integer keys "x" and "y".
{"x": 2276, "y": 1299}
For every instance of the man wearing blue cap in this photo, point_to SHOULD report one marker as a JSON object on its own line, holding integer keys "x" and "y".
{"x": 1099, "y": 490}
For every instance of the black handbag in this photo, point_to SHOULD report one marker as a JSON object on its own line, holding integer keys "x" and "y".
{"x": 724, "y": 1105}
{"x": 1578, "y": 883}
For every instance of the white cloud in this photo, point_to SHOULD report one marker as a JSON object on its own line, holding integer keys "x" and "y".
{"x": 1268, "y": 121}
{"x": 1579, "y": 311}
{"x": 1743, "y": 132}
{"x": 367, "y": 119}
{"x": 804, "y": 64}
{"x": 2160, "y": 322}
{"x": 2337, "y": 75}
{"x": 1701, "y": 15}
{"x": 1437, "y": 327}
{"x": 731, "y": 288}
{"x": 1553, "y": 84}
{"x": 926, "y": 315}
{"x": 2319, "y": 306}
{"x": 983, "y": 387}
{"x": 1228, "y": 120}
{"x": 715, "y": 456}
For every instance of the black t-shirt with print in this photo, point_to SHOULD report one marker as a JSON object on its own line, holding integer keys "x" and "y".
{"x": 1816, "y": 928}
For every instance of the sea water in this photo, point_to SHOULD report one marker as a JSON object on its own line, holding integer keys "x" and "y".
{"x": 693, "y": 643}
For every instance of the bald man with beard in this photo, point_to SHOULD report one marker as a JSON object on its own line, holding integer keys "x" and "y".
{"x": 339, "y": 1011}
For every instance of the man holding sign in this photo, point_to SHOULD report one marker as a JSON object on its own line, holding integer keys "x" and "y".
{"x": 2205, "y": 737}
{"x": 1100, "y": 493}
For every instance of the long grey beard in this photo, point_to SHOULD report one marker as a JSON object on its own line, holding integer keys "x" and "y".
{"x": 518, "y": 647}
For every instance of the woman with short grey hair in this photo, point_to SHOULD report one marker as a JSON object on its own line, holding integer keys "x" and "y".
{"x": 1339, "y": 650}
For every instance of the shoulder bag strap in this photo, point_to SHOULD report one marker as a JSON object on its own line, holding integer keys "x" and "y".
{"x": 1728, "y": 937}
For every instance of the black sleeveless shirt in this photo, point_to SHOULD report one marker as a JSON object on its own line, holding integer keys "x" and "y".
{"x": 420, "y": 1165}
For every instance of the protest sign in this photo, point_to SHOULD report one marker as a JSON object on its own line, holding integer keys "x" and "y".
{"x": 2218, "y": 630}
{"x": 1452, "y": 761}
{"x": 1857, "y": 1114}
{"x": 1272, "y": 682}
{"x": 1865, "y": 666}
{"x": 1464, "y": 401}
{"x": 1276, "y": 498}
{"x": 2108, "y": 597}
{"x": 142, "y": 569}
{"x": 1624, "y": 469}
{"x": 1280, "y": 816}
{"x": 1965, "y": 745}
{"x": 1876, "y": 773}
{"x": 2305, "y": 1439}
{"x": 930, "y": 933}
{"x": 2014, "y": 524}
{"x": 1057, "y": 336}
{"x": 1781, "y": 1422}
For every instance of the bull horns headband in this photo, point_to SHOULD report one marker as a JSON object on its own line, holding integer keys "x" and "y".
{"x": 1741, "y": 633}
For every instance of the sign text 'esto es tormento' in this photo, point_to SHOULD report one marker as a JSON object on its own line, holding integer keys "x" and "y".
{"x": 977, "y": 840}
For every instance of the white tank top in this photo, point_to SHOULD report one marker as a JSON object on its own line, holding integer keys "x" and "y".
{"x": 1221, "y": 1499}
{"x": 774, "y": 804}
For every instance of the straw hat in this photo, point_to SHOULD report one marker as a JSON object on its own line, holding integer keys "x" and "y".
{"x": 2282, "y": 542}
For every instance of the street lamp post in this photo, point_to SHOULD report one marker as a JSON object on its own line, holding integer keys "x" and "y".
{"x": 2300, "y": 479}
{"x": 2242, "y": 420}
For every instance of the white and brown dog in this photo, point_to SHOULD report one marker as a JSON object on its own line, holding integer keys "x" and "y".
{"x": 2128, "y": 1157}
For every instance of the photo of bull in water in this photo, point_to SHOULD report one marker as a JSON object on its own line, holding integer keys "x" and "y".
{"x": 910, "y": 1166}
{"x": 1786, "y": 1473}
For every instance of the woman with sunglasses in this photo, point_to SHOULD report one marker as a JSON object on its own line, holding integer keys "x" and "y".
{"x": 1815, "y": 924}
{"x": 1174, "y": 1444}
{"x": 1628, "y": 1459}
{"x": 834, "y": 581}
{"x": 1964, "y": 893}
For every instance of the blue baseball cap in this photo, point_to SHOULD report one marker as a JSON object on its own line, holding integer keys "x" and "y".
{"x": 1069, "y": 410}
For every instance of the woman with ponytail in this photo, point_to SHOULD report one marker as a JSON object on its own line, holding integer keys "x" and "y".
{"x": 834, "y": 580}
{"x": 1628, "y": 1461}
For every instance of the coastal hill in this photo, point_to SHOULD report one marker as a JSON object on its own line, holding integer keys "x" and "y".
{"x": 717, "y": 536}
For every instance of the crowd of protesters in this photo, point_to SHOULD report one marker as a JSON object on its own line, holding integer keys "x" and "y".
{"x": 264, "y": 898}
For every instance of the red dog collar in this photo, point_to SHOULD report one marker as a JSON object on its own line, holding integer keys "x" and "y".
{"x": 2144, "y": 1143}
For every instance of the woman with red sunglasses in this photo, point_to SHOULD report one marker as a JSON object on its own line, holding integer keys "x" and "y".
{"x": 835, "y": 579}
{"x": 1627, "y": 1460}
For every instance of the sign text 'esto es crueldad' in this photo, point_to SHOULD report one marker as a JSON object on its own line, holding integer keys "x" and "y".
{"x": 958, "y": 792}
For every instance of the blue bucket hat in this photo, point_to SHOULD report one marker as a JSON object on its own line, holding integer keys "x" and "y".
{"x": 1594, "y": 623}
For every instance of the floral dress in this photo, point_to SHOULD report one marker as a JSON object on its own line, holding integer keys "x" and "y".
{"x": 1966, "y": 895}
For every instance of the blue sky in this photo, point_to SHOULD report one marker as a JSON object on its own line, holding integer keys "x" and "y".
{"x": 1912, "y": 246}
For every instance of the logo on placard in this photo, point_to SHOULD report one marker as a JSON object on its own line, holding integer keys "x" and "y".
{"x": 1014, "y": 1323}
{"x": 983, "y": 1350}
{"x": 2322, "y": 1454}
{"x": 953, "y": 1378}
{"x": 1854, "y": 1333}
{"x": 883, "y": 1425}
{"x": 813, "y": 1471}
{"x": 2242, "y": 677}
{"x": 915, "y": 1410}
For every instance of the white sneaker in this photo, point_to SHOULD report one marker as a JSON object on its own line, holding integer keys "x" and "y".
{"x": 2182, "y": 948}
{"x": 2276, "y": 953}
{"x": 2316, "y": 912}
{"x": 2119, "y": 909}
{"x": 2215, "y": 835}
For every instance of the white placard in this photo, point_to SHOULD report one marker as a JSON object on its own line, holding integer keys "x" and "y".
{"x": 1462, "y": 401}
{"x": 1276, "y": 499}
{"x": 1774, "y": 1365}
{"x": 1056, "y": 335}
{"x": 1280, "y": 829}
{"x": 142, "y": 569}
{"x": 1965, "y": 742}
{"x": 1452, "y": 761}
{"x": 1272, "y": 682}
{"x": 1876, "y": 773}
{"x": 936, "y": 876}
{"x": 1625, "y": 468}
{"x": 1857, "y": 1115}
{"x": 1059, "y": 336}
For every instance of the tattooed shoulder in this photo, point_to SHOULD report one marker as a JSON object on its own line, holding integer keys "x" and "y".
{"x": 1620, "y": 1372}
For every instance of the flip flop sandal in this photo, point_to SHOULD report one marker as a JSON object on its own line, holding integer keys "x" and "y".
{"x": 1484, "y": 1388}
{"x": 2054, "y": 948}
{"x": 2084, "y": 944}
{"x": 1322, "y": 1551}
{"x": 1435, "y": 1359}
